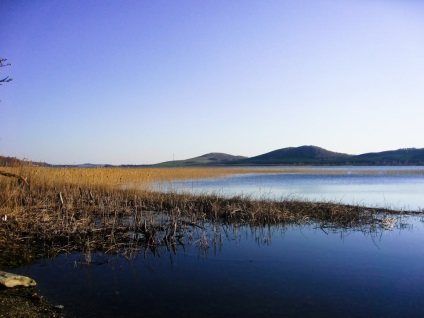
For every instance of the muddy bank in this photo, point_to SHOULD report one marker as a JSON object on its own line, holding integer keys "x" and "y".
{"x": 22, "y": 302}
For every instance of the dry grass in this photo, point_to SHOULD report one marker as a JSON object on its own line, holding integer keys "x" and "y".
{"x": 61, "y": 210}
{"x": 72, "y": 182}
{"x": 66, "y": 209}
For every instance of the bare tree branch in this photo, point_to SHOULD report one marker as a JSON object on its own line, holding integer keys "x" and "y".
{"x": 7, "y": 78}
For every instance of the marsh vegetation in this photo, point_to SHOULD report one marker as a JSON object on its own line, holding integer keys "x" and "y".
{"x": 48, "y": 212}
{"x": 54, "y": 210}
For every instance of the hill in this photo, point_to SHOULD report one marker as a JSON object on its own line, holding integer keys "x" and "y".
{"x": 307, "y": 155}
{"x": 312, "y": 155}
{"x": 209, "y": 159}
{"x": 407, "y": 156}
{"x": 304, "y": 155}
{"x": 295, "y": 155}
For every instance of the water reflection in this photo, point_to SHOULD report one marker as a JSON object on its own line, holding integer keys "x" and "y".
{"x": 220, "y": 269}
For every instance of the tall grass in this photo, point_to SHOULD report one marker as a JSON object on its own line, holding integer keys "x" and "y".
{"x": 71, "y": 182}
{"x": 64, "y": 209}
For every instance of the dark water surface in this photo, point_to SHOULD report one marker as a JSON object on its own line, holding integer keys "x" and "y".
{"x": 249, "y": 272}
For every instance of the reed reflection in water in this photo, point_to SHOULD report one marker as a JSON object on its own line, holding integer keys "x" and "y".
{"x": 219, "y": 269}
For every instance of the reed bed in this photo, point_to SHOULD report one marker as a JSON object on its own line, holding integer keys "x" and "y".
{"x": 52, "y": 210}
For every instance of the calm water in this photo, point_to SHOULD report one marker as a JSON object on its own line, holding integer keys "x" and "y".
{"x": 393, "y": 187}
{"x": 273, "y": 272}
{"x": 291, "y": 271}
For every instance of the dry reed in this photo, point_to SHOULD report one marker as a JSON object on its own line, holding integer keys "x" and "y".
{"x": 66, "y": 209}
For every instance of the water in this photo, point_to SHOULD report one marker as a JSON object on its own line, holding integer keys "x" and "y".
{"x": 391, "y": 187}
{"x": 291, "y": 271}
{"x": 277, "y": 271}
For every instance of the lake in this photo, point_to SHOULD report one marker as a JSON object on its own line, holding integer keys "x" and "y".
{"x": 222, "y": 270}
{"x": 241, "y": 271}
{"x": 389, "y": 187}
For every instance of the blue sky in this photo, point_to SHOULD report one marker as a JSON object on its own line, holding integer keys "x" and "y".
{"x": 137, "y": 82}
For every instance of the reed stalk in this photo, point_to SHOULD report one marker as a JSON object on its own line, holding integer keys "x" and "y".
{"x": 114, "y": 210}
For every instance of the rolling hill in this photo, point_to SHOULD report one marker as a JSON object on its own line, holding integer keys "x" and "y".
{"x": 209, "y": 159}
{"x": 407, "y": 156}
{"x": 307, "y": 155}
{"x": 295, "y": 155}
{"x": 303, "y": 155}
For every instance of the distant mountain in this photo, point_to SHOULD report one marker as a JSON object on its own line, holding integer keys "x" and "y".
{"x": 312, "y": 155}
{"x": 91, "y": 165}
{"x": 407, "y": 156}
{"x": 295, "y": 155}
{"x": 304, "y": 155}
{"x": 210, "y": 159}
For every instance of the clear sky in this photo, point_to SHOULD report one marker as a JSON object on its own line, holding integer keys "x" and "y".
{"x": 138, "y": 82}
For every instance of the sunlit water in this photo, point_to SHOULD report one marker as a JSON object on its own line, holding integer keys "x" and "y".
{"x": 269, "y": 272}
{"x": 392, "y": 187}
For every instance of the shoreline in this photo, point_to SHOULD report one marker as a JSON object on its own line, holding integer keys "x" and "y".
{"x": 66, "y": 210}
